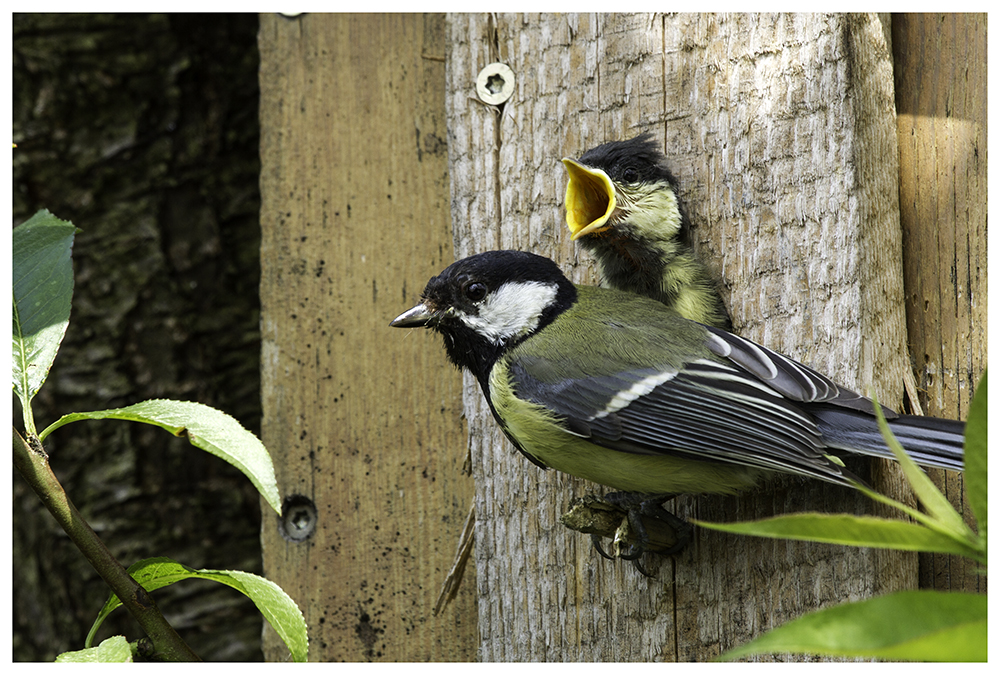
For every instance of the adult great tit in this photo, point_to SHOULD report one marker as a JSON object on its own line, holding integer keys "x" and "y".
{"x": 618, "y": 389}
{"x": 622, "y": 205}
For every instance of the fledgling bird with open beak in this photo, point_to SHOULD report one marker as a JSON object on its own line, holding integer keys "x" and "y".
{"x": 622, "y": 205}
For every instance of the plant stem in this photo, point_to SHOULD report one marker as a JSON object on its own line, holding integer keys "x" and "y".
{"x": 34, "y": 466}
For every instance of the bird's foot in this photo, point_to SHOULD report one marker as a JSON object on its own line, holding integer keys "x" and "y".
{"x": 636, "y": 524}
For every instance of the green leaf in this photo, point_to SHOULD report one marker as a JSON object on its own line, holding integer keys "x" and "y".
{"x": 936, "y": 504}
{"x": 849, "y": 530}
{"x": 973, "y": 545}
{"x": 206, "y": 428}
{"x": 909, "y": 625}
{"x": 276, "y": 606}
{"x": 113, "y": 650}
{"x": 43, "y": 293}
{"x": 975, "y": 456}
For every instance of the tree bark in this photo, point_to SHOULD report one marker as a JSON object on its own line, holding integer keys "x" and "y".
{"x": 781, "y": 129}
{"x": 363, "y": 421}
{"x": 142, "y": 130}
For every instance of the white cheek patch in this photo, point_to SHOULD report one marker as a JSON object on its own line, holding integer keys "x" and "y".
{"x": 512, "y": 310}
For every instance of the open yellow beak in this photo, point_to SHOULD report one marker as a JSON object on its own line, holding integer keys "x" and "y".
{"x": 590, "y": 199}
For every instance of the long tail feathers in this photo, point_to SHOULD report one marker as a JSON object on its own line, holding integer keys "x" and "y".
{"x": 930, "y": 441}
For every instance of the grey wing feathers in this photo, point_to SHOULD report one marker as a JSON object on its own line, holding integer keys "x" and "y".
{"x": 710, "y": 411}
{"x": 794, "y": 380}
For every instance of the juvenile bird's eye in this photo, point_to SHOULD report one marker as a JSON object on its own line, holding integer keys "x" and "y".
{"x": 630, "y": 174}
{"x": 475, "y": 291}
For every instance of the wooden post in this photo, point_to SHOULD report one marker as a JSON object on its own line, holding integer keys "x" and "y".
{"x": 940, "y": 63}
{"x": 362, "y": 420}
{"x": 781, "y": 129}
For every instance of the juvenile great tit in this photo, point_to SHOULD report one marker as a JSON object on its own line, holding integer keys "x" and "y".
{"x": 622, "y": 205}
{"x": 618, "y": 389}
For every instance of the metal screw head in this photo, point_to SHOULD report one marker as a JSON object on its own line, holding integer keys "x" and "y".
{"x": 495, "y": 83}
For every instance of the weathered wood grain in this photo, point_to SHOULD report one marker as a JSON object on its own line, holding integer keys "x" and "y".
{"x": 781, "y": 129}
{"x": 362, "y": 419}
{"x": 940, "y": 64}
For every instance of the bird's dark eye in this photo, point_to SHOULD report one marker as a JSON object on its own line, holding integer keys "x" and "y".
{"x": 475, "y": 290}
{"x": 630, "y": 174}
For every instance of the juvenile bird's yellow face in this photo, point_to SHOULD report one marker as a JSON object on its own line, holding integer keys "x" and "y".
{"x": 594, "y": 205}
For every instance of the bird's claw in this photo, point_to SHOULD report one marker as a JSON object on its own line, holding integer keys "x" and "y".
{"x": 631, "y": 538}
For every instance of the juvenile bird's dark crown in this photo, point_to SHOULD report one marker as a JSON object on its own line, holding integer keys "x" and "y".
{"x": 636, "y": 160}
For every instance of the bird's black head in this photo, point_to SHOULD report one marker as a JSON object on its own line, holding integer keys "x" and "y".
{"x": 485, "y": 304}
{"x": 637, "y": 160}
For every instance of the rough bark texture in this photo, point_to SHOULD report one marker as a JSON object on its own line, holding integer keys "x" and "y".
{"x": 142, "y": 130}
{"x": 940, "y": 65}
{"x": 363, "y": 420}
{"x": 782, "y": 132}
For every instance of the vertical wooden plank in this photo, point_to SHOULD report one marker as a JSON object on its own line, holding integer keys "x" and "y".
{"x": 507, "y": 189}
{"x": 940, "y": 64}
{"x": 361, "y": 419}
{"x": 767, "y": 121}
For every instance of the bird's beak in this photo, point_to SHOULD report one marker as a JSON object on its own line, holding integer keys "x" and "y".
{"x": 590, "y": 199}
{"x": 417, "y": 317}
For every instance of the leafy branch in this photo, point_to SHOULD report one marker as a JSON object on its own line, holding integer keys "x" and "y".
{"x": 34, "y": 467}
{"x": 42, "y": 297}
